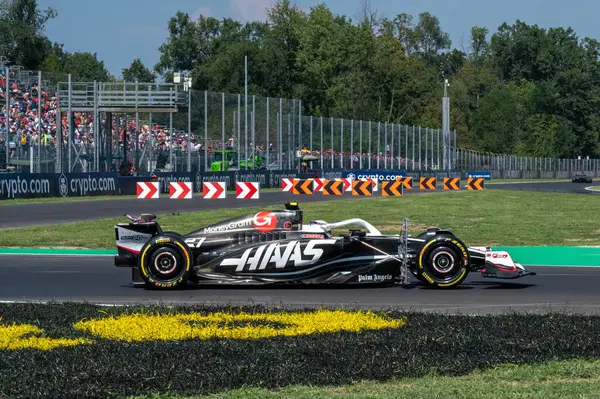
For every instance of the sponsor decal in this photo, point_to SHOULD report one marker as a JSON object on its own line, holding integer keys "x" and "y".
{"x": 317, "y": 236}
{"x": 279, "y": 255}
{"x": 486, "y": 175}
{"x": 377, "y": 175}
{"x": 133, "y": 238}
{"x": 82, "y": 185}
{"x": 287, "y": 225}
{"x": 195, "y": 242}
{"x": 63, "y": 185}
{"x": 374, "y": 277}
{"x": 497, "y": 256}
{"x": 264, "y": 221}
{"x": 19, "y": 187}
{"x": 163, "y": 240}
{"x": 229, "y": 226}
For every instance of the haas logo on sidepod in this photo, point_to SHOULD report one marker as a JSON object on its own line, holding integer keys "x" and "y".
{"x": 264, "y": 221}
{"x": 280, "y": 255}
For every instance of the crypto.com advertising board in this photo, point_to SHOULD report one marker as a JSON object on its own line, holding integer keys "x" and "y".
{"x": 45, "y": 185}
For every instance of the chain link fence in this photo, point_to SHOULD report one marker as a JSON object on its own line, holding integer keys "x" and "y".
{"x": 50, "y": 123}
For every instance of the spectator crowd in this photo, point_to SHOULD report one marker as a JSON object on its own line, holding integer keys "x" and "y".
{"x": 32, "y": 117}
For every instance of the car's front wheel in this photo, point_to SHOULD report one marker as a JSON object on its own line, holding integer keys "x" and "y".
{"x": 443, "y": 262}
{"x": 165, "y": 262}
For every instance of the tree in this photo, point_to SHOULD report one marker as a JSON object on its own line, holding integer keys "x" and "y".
{"x": 22, "y": 27}
{"x": 138, "y": 71}
{"x": 86, "y": 67}
{"x": 479, "y": 43}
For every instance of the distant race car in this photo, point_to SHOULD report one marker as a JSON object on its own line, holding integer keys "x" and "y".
{"x": 582, "y": 179}
{"x": 277, "y": 247}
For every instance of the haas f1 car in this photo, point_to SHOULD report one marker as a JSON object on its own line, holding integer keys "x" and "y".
{"x": 278, "y": 247}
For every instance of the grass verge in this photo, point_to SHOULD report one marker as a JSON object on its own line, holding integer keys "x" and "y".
{"x": 568, "y": 379}
{"x": 494, "y": 217}
{"x": 425, "y": 345}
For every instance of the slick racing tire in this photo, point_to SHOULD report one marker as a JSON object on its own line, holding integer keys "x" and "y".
{"x": 443, "y": 262}
{"x": 165, "y": 262}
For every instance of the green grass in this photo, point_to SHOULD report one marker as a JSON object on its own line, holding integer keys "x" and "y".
{"x": 551, "y": 380}
{"x": 570, "y": 379}
{"x": 498, "y": 218}
{"x": 432, "y": 355}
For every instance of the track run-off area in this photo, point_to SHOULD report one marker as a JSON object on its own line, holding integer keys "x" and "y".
{"x": 93, "y": 278}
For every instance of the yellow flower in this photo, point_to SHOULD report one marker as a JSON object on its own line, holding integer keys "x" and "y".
{"x": 25, "y": 336}
{"x": 170, "y": 327}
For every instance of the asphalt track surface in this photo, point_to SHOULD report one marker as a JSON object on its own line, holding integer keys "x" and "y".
{"x": 24, "y": 214}
{"x": 96, "y": 280}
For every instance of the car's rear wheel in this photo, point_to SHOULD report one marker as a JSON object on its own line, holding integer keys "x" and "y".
{"x": 443, "y": 262}
{"x": 165, "y": 262}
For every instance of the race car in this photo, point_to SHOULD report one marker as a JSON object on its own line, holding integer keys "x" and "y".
{"x": 276, "y": 246}
{"x": 582, "y": 179}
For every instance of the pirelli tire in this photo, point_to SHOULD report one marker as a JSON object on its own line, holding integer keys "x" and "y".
{"x": 165, "y": 262}
{"x": 443, "y": 262}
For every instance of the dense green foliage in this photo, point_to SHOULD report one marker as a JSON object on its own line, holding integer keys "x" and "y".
{"x": 442, "y": 344}
{"x": 521, "y": 89}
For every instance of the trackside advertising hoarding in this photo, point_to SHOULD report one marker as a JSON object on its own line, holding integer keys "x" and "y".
{"x": 381, "y": 175}
{"x": 487, "y": 175}
{"x": 45, "y": 185}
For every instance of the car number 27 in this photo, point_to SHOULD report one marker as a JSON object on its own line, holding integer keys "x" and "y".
{"x": 195, "y": 242}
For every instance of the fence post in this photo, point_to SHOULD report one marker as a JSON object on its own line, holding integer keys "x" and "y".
{"x": 370, "y": 152}
{"x": 39, "y": 124}
{"x": 341, "y": 142}
{"x": 280, "y": 134}
{"x": 331, "y": 144}
{"x": 351, "y": 143}
{"x": 222, "y": 133}
{"x": 321, "y": 152}
{"x": 206, "y": 129}
{"x": 385, "y": 146}
{"x": 70, "y": 121}
{"x": 392, "y": 148}
{"x": 378, "y": 142}
{"x": 310, "y": 138}
{"x": 360, "y": 158}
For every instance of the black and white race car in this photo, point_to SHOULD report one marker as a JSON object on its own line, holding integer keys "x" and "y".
{"x": 276, "y": 246}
